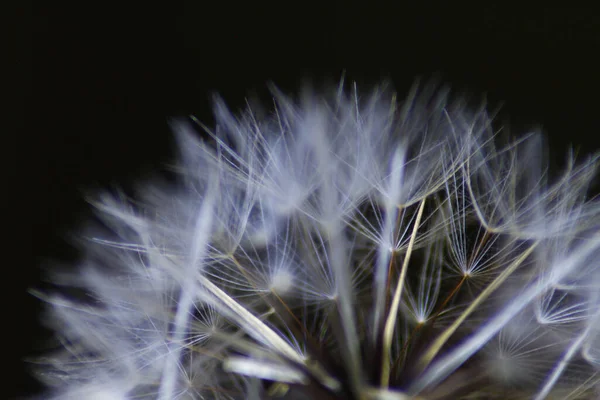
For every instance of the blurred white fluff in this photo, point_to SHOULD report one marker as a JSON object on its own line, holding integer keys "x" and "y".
{"x": 342, "y": 246}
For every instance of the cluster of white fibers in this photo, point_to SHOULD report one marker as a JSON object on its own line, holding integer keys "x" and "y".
{"x": 340, "y": 247}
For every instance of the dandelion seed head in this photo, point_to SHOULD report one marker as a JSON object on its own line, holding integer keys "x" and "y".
{"x": 342, "y": 246}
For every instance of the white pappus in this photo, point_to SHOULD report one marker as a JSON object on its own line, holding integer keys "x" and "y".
{"x": 339, "y": 247}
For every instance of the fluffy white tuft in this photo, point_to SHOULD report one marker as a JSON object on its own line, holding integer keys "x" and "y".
{"x": 340, "y": 247}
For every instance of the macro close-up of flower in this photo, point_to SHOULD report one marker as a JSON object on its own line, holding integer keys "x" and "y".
{"x": 340, "y": 244}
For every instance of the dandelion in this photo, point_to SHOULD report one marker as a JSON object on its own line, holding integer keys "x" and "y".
{"x": 339, "y": 247}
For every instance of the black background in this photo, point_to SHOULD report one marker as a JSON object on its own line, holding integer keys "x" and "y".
{"x": 98, "y": 80}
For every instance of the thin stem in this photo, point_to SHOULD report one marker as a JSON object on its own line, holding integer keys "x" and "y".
{"x": 390, "y": 322}
{"x": 448, "y": 298}
{"x": 559, "y": 369}
{"x": 253, "y": 325}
